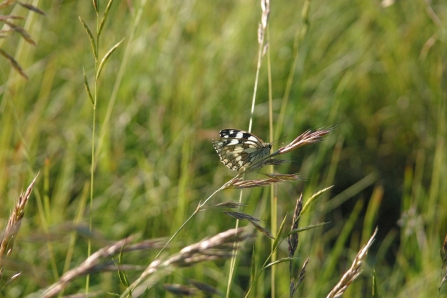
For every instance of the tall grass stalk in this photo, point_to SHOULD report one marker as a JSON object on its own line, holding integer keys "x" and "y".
{"x": 262, "y": 30}
{"x": 275, "y": 132}
{"x": 99, "y": 64}
{"x": 273, "y": 198}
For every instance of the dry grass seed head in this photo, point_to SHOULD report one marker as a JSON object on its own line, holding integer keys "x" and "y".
{"x": 14, "y": 222}
{"x": 352, "y": 272}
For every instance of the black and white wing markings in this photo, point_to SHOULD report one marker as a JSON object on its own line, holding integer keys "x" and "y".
{"x": 239, "y": 149}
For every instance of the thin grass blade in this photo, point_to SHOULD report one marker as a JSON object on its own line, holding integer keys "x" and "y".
{"x": 90, "y": 36}
{"x": 104, "y": 18}
{"x": 106, "y": 57}
{"x": 309, "y": 227}
{"x": 313, "y": 197}
{"x": 96, "y": 5}
{"x": 275, "y": 243}
{"x": 87, "y": 88}
{"x": 279, "y": 261}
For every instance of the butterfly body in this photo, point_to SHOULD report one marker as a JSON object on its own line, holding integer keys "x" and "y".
{"x": 239, "y": 149}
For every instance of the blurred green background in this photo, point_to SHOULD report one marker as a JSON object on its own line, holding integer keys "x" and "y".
{"x": 186, "y": 69}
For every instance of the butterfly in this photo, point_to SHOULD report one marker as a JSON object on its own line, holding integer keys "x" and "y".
{"x": 239, "y": 149}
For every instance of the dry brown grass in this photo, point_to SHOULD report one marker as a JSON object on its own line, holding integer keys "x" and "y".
{"x": 353, "y": 272}
{"x": 8, "y": 237}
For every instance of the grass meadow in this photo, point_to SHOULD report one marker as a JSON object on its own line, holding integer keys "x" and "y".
{"x": 126, "y": 167}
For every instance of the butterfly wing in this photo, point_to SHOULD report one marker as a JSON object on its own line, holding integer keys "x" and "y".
{"x": 239, "y": 149}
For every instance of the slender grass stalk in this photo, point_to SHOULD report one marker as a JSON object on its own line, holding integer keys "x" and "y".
{"x": 99, "y": 64}
{"x": 123, "y": 64}
{"x": 93, "y": 140}
{"x": 273, "y": 199}
{"x": 265, "y": 6}
{"x": 92, "y": 177}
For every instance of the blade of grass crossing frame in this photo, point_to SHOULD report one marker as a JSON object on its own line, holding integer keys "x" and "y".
{"x": 106, "y": 57}
{"x": 90, "y": 36}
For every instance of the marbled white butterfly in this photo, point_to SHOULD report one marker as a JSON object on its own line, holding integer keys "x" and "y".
{"x": 239, "y": 149}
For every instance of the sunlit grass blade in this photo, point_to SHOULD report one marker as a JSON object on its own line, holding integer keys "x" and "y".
{"x": 9, "y": 281}
{"x": 313, "y": 197}
{"x": 106, "y": 57}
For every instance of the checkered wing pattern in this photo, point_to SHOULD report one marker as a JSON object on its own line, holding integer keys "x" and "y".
{"x": 239, "y": 149}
